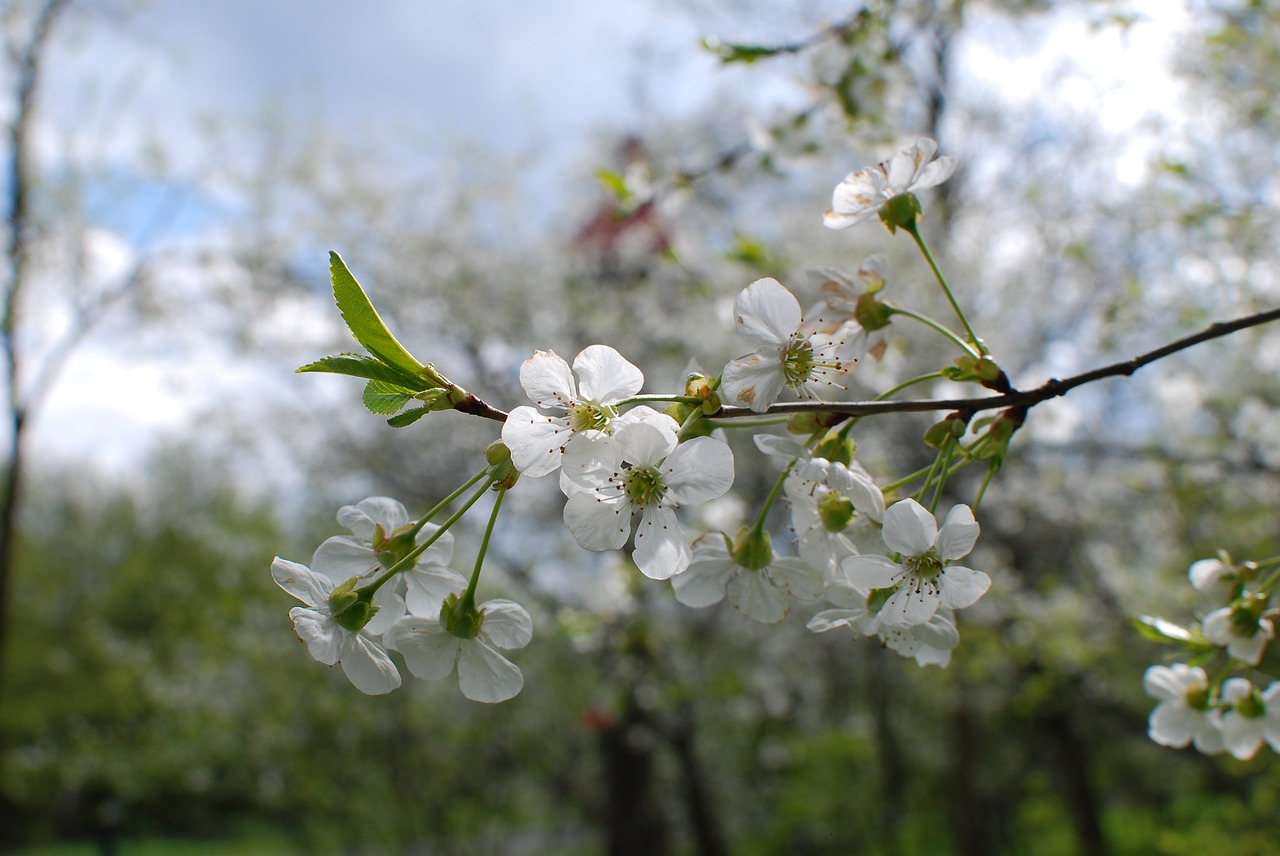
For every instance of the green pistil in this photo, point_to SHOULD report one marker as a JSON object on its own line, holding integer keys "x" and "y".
{"x": 588, "y": 416}
{"x": 1251, "y": 706}
{"x": 797, "y": 365}
{"x": 1199, "y": 699}
{"x": 927, "y": 567}
{"x": 644, "y": 486}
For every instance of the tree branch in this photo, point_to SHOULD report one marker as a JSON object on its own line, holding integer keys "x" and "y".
{"x": 1053, "y": 388}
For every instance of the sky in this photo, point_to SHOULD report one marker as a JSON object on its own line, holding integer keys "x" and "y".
{"x": 534, "y": 79}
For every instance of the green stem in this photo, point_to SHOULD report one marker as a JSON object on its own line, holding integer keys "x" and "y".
{"x": 982, "y": 491}
{"x": 947, "y": 454}
{"x": 914, "y": 232}
{"x": 641, "y": 399}
{"x": 758, "y": 526}
{"x": 417, "y": 527}
{"x": 905, "y": 384}
{"x": 407, "y": 562}
{"x": 468, "y": 600}
{"x": 969, "y": 349}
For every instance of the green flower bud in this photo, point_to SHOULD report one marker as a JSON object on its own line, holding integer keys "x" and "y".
{"x": 501, "y": 468}
{"x": 835, "y": 511}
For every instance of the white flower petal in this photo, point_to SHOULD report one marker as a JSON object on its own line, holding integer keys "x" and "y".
{"x": 797, "y": 578}
{"x": 661, "y": 550}
{"x": 506, "y": 623}
{"x": 301, "y": 582}
{"x": 753, "y": 593}
{"x": 909, "y": 528}
{"x": 598, "y": 523}
{"x": 829, "y": 619}
{"x": 319, "y": 631}
{"x": 605, "y": 376}
{"x": 485, "y": 675}
{"x": 767, "y": 314}
{"x": 753, "y": 381}
{"x": 428, "y": 586}
{"x": 958, "y": 534}
{"x": 536, "y": 441}
{"x": 698, "y": 471}
{"x": 908, "y": 607}
{"x": 547, "y": 380}
{"x": 340, "y": 558}
{"x": 643, "y": 443}
{"x": 428, "y": 649}
{"x": 959, "y": 586}
{"x": 365, "y": 514}
{"x": 703, "y": 582}
{"x": 367, "y": 666}
{"x": 870, "y": 572}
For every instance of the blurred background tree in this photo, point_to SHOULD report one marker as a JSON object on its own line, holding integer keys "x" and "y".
{"x": 151, "y": 685}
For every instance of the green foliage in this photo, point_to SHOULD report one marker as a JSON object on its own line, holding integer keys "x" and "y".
{"x": 364, "y": 322}
{"x": 385, "y": 399}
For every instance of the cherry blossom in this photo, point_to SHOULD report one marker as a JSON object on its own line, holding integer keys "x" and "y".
{"x": 640, "y": 471}
{"x": 363, "y": 660}
{"x": 1243, "y": 628}
{"x": 1185, "y": 713}
{"x": 924, "y": 579}
{"x": 1251, "y": 718}
{"x": 431, "y": 650}
{"x": 760, "y": 592}
{"x": 768, "y": 316}
{"x": 536, "y": 439}
{"x": 861, "y": 194}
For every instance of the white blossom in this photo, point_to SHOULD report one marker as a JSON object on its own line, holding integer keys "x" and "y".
{"x": 827, "y": 498}
{"x": 924, "y": 579}
{"x": 861, "y": 195}
{"x": 768, "y": 316}
{"x": 1242, "y": 628}
{"x": 537, "y": 440}
{"x": 759, "y": 592}
{"x": 1213, "y": 577}
{"x": 1250, "y": 719}
{"x": 640, "y": 471}
{"x": 1184, "y": 714}
{"x": 363, "y": 660}
{"x": 431, "y": 651}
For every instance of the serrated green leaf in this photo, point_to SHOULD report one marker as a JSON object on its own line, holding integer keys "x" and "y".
{"x": 1160, "y": 630}
{"x": 408, "y": 417}
{"x": 358, "y": 365}
{"x": 364, "y": 322}
{"x": 384, "y": 398}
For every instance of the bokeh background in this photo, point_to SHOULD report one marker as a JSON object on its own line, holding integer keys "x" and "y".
{"x": 175, "y": 174}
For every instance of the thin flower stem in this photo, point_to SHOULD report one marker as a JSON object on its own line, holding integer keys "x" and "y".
{"x": 909, "y": 383}
{"x": 658, "y": 397}
{"x": 934, "y": 325}
{"x": 417, "y": 527}
{"x": 914, "y": 232}
{"x": 758, "y": 526}
{"x": 468, "y": 600}
{"x": 928, "y": 479}
{"x": 906, "y": 480}
{"x": 982, "y": 491}
{"x": 947, "y": 455}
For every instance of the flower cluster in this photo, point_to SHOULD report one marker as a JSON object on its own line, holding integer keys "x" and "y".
{"x": 628, "y": 472}
{"x": 1221, "y": 713}
{"x": 356, "y": 610}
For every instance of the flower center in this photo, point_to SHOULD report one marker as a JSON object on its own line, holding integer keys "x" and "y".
{"x": 835, "y": 511}
{"x": 589, "y": 416}
{"x": 797, "y": 362}
{"x": 644, "y": 486}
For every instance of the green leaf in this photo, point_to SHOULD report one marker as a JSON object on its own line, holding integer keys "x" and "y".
{"x": 614, "y": 183}
{"x": 364, "y": 322}
{"x": 384, "y": 398}
{"x": 408, "y": 417}
{"x": 729, "y": 52}
{"x": 358, "y": 365}
{"x": 1159, "y": 630}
